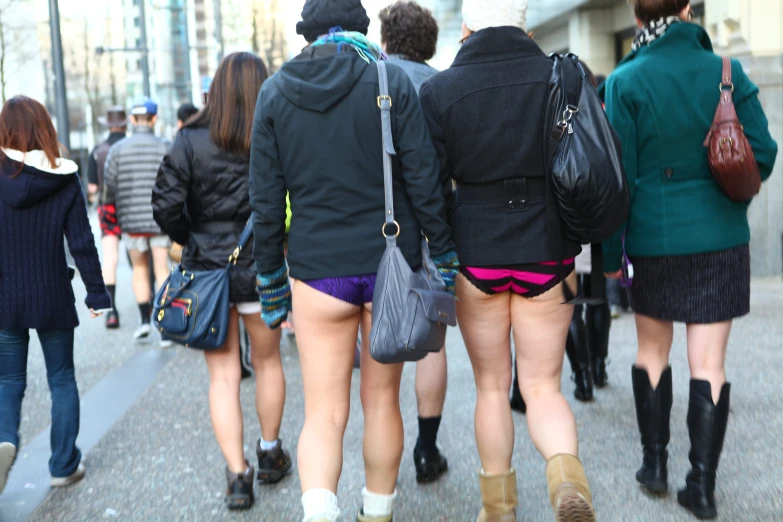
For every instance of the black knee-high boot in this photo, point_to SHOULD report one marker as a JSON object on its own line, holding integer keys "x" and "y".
{"x": 653, "y": 409}
{"x": 707, "y": 429}
{"x": 517, "y": 402}
{"x": 578, "y": 353}
{"x": 599, "y": 321}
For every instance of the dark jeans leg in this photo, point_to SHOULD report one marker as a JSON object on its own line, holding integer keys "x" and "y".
{"x": 13, "y": 382}
{"x": 58, "y": 353}
{"x": 614, "y": 292}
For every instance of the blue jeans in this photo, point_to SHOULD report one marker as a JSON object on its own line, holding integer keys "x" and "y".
{"x": 58, "y": 353}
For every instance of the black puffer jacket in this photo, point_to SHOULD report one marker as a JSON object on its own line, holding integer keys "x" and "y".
{"x": 201, "y": 201}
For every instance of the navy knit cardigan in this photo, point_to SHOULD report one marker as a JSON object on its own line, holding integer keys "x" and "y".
{"x": 38, "y": 206}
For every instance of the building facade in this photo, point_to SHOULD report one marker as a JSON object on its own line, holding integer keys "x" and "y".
{"x": 601, "y": 33}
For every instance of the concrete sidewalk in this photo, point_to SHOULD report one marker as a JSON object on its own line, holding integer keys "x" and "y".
{"x": 160, "y": 462}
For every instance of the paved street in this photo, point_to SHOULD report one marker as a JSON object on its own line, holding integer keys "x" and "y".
{"x": 159, "y": 461}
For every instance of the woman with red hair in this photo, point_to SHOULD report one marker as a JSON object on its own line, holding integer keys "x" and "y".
{"x": 41, "y": 201}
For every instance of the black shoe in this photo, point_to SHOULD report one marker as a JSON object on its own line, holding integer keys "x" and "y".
{"x": 653, "y": 409}
{"x": 112, "y": 320}
{"x": 430, "y": 465}
{"x": 274, "y": 464}
{"x": 707, "y": 429}
{"x": 239, "y": 494}
{"x": 583, "y": 379}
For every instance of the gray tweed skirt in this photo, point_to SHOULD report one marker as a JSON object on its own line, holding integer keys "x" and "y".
{"x": 695, "y": 289}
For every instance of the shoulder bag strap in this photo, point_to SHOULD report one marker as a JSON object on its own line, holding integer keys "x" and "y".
{"x": 385, "y": 104}
{"x": 243, "y": 239}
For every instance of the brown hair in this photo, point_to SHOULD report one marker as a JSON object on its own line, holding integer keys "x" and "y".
{"x": 410, "y": 30}
{"x": 25, "y": 125}
{"x": 649, "y": 10}
{"x": 231, "y": 102}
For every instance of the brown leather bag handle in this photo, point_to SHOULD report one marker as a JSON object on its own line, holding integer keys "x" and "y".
{"x": 726, "y": 82}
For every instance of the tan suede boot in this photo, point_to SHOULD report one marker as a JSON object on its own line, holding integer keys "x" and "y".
{"x": 499, "y": 497}
{"x": 361, "y": 517}
{"x": 569, "y": 492}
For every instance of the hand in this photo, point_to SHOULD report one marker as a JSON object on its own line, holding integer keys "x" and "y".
{"x": 614, "y": 275}
{"x": 448, "y": 266}
{"x": 94, "y": 314}
{"x": 274, "y": 291}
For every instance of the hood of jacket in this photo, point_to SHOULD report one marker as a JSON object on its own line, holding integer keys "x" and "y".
{"x": 36, "y": 181}
{"x": 320, "y": 77}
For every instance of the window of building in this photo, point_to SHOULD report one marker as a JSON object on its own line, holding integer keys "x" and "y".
{"x": 136, "y": 22}
{"x": 138, "y": 43}
{"x": 623, "y": 40}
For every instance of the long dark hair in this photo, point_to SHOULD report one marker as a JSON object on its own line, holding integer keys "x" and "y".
{"x": 232, "y": 102}
{"x": 25, "y": 125}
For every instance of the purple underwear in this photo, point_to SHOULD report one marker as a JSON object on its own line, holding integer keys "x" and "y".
{"x": 355, "y": 290}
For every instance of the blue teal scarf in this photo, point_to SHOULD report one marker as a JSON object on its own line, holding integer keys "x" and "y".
{"x": 369, "y": 51}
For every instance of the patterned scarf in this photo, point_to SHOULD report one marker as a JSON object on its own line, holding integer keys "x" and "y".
{"x": 654, "y": 30}
{"x": 369, "y": 51}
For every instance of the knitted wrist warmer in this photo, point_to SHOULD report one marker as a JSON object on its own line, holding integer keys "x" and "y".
{"x": 274, "y": 291}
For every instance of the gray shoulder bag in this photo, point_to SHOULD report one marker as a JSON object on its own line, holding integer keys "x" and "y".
{"x": 410, "y": 310}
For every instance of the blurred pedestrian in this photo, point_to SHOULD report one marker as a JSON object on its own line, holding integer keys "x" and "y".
{"x": 687, "y": 240}
{"x": 185, "y": 111}
{"x": 206, "y": 172}
{"x": 117, "y": 121}
{"x": 335, "y": 243}
{"x": 409, "y": 35}
{"x": 485, "y": 115}
{"x": 41, "y": 202}
{"x": 131, "y": 168}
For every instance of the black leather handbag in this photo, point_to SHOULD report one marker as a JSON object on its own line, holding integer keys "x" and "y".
{"x": 586, "y": 171}
{"x": 192, "y": 308}
{"x": 410, "y": 309}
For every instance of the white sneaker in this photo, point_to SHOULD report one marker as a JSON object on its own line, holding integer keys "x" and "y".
{"x": 142, "y": 332}
{"x": 61, "y": 482}
{"x": 616, "y": 311}
{"x": 7, "y": 457}
{"x": 164, "y": 345}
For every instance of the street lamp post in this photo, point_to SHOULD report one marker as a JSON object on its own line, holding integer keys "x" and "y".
{"x": 61, "y": 100}
{"x": 145, "y": 64}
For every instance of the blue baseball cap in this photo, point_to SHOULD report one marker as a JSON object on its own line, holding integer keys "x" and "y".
{"x": 146, "y": 106}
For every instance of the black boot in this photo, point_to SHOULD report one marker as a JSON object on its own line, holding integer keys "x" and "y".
{"x": 579, "y": 356}
{"x": 239, "y": 493}
{"x": 517, "y": 402}
{"x": 653, "y": 409}
{"x": 707, "y": 428}
{"x": 599, "y": 321}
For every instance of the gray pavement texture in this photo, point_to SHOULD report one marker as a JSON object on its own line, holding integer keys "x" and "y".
{"x": 160, "y": 462}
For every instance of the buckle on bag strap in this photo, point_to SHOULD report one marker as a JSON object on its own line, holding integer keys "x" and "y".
{"x": 382, "y": 98}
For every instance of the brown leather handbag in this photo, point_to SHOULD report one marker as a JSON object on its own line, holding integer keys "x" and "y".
{"x": 731, "y": 158}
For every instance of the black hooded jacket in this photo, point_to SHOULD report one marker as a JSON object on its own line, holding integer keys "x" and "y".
{"x": 40, "y": 205}
{"x": 317, "y": 133}
{"x": 200, "y": 201}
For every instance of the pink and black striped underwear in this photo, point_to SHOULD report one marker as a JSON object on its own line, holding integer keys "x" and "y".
{"x": 529, "y": 280}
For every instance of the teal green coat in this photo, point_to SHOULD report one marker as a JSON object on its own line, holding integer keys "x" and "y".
{"x": 661, "y": 100}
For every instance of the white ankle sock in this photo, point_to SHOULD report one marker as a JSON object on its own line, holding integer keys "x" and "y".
{"x": 268, "y": 446}
{"x": 320, "y": 504}
{"x": 376, "y": 505}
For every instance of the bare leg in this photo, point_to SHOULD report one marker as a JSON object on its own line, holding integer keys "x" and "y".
{"x": 655, "y": 343}
{"x": 383, "y": 433}
{"x": 224, "y": 406}
{"x": 485, "y": 324}
{"x": 326, "y": 330}
{"x": 431, "y": 380}
{"x": 141, "y": 276}
{"x": 270, "y": 380}
{"x": 707, "y": 345}
{"x": 160, "y": 260}
{"x": 540, "y": 331}
{"x": 111, "y": 246}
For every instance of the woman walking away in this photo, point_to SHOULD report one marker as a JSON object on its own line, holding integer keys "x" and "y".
{"x": 484, "y": 114}
{"x": 325, "y": 102}
{"x": 41, "y": 201}
{"x": 206, "y": 172}
{"x": 687, "y": 240}
{"x": 409, "y": 34}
